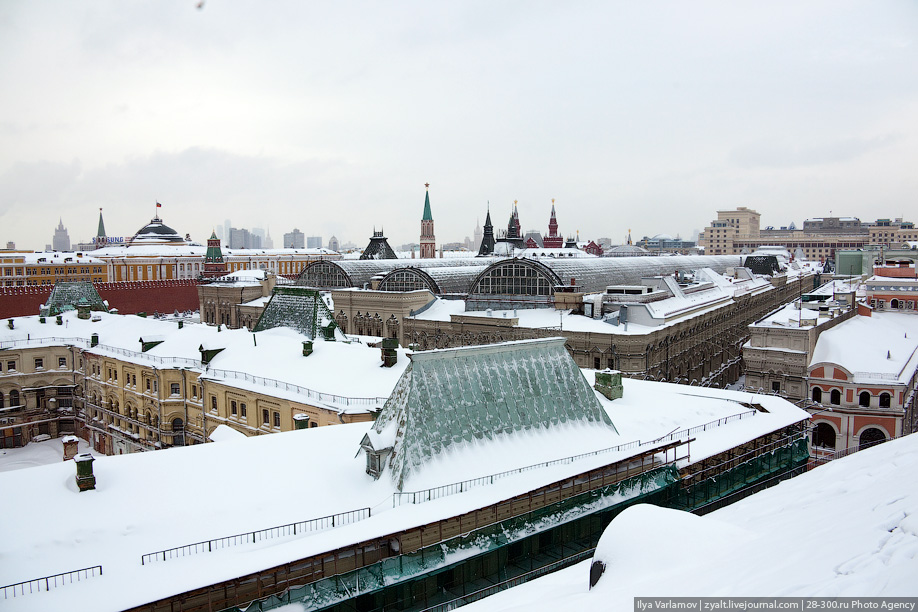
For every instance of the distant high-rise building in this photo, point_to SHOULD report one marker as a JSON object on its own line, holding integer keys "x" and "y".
{"x": 295, "y": 240}
{"x": 428, "y": 241}
{"x": 226, "y": 230}
{"x": 268, "y": 242}
{"x": 314, "y": 242}
{"x": 333, "y": 244}
{"x": 61, "y": 240}
{"x": 476, "y": 237}
{"x": 240, "y": 238}
{"x": 218, "y": 232}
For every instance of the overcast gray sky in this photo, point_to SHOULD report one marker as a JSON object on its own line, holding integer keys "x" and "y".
{"x": 331, "y": 116}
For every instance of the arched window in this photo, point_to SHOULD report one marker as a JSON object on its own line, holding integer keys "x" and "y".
{"x": 885, "y": 400}
{"x": 817, "y": 395}
{"x": 178, "y": 432}
{"x": 864, "y": 399}
{"x": 824, "y": 436}
{"x": 835, "y": 397}
{"x": 871, "y": 437}
{"x": 14, "y": 398}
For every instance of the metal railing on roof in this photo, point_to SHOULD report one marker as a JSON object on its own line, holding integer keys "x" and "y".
{"x": 425, "y": 495}
{"x": 280, "y": 384}
{"x": 175, "y": 361}
{"x": 251, "y": 537}
{"x": 46, "y": 583}
{"x": 9, "y": 344}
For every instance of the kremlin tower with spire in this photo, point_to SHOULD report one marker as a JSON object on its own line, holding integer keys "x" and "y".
{"x": 553, "y": 240}
{"x": 428, "y": 241}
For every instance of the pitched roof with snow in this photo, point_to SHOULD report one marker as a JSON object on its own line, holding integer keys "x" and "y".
{"x": 879, "y": 348}
{"x": 69, "y": 295}
{"x": 460, "y": 396}
{"x": 299, "y": 308}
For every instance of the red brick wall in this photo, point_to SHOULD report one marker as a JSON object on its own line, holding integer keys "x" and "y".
{"x": 22, "y": 301}
{"x": 129, "y": 298}
{"x": 164, "y": 296}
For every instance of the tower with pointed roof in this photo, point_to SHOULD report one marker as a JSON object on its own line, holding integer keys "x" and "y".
{"x": 428, "y": 241}
{"x": 487, "y": 239}
{"x": 514, "y": 230}
{"x": 100, "y": 238}
{"x": 214, "y": 264}
{"x": 554, "y": 239}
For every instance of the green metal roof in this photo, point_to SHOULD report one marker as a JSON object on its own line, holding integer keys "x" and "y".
{"x": 299, "y": 308}
{"x": 100, "y": 233}
{"x": 68, "y": 295}
{"x": 427, "y": 216}
{"x": 214, "y": 253}
{"x": 454, "y": 396}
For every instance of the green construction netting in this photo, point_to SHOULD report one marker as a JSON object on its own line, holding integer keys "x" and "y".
{"x": 410, "y": 566}
{"x": 764, "y": 467}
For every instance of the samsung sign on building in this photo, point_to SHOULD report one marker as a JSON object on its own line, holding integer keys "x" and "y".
{"x": 110, "y": 239}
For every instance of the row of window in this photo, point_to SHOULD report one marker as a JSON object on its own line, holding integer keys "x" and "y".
{"x": 240, "y": 410}
{"x": 14, "y": 399}
{"x": 39, "y": 364}
{"x": 895, "y": 304}
{"x": 863, "y": 398}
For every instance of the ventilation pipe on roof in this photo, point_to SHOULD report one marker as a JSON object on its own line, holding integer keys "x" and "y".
{"x": 85, "y": 479}
{"x": 389, "y": 354}
{"x": 609, "y": 383}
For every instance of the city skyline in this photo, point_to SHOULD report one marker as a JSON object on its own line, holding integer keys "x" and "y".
{"x": 332, "y": 118}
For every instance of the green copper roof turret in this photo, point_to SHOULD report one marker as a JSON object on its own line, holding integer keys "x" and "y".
{"x": 427, "y": 216}
{"x": 214, "y": 252}
{"x": 100, "y": 233}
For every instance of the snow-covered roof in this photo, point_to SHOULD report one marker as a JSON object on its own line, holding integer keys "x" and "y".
{"x": 197, "y": 250}
{"x": 238, "y": 486}
{"x": 55, "y": 257}
{"x": 477, "y": 394}
{"x": 879, "y": 348}
{"x": 241, "y": 278}
{"x": 269, "y": 362}
{"x": 299, "y": 308}
{"x": 861, "y": 544}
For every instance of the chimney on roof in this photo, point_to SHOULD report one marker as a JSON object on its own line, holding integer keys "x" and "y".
{"x": 85, "y": 479}
{"x": 389, "y": 354}
{"x": 609, "y": 383}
